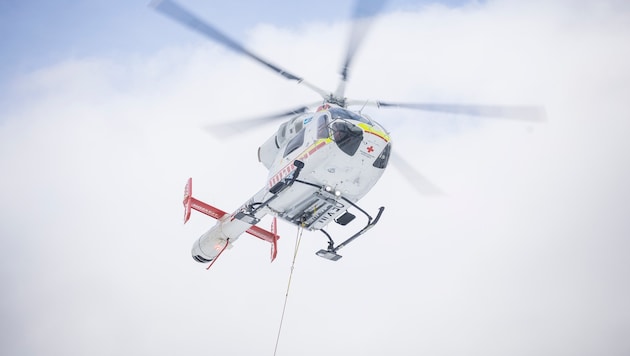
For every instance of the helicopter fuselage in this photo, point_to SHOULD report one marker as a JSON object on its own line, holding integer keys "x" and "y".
{"x": 320, "y": 164}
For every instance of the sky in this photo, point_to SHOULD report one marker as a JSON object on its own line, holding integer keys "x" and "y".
{"x": 102, "y": 109}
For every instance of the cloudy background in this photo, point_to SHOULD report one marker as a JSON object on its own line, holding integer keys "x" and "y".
{"x": 101, "y": 109}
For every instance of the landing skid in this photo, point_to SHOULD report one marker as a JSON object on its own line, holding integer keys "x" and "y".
{"x": 328, "y": 254}
{"x": 307, "y": 220}
{"x": 331, "y": 252}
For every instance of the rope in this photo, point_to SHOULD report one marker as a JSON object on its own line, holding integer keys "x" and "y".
{"x": 286, "y": 296}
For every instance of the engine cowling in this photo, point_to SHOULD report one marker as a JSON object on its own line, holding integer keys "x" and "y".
{"x": 268, "y": 151}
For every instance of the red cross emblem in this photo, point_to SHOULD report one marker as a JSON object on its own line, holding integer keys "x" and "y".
{"x": 370, "y": 149}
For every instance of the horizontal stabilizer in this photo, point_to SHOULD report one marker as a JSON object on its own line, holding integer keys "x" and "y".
{"x": 192, "y": 203}
{"x": 262, "y": 234}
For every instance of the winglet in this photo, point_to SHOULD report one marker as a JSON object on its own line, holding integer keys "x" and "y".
{"x": 187, "y": 200}
{"x": 274, "y": 243}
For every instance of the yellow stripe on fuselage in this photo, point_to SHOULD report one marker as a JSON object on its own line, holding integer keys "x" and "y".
{"x": 370, "y": 129}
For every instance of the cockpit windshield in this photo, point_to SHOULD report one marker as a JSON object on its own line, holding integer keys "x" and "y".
{"x": 338, "y": 113}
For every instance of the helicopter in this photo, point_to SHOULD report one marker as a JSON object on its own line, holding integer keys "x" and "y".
{"x": 322, "y": 160}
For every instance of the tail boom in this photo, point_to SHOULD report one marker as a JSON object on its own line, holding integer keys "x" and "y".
{"x": 225, "y": 232}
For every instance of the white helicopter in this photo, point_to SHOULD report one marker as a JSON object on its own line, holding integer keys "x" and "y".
{"x": 321, "y": 162}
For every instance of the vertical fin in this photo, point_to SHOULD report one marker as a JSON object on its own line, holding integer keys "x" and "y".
{"x": 274, "y": 243}
{"x": 187, "y": 200}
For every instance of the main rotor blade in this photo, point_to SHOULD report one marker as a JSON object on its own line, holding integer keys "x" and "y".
{"x": 178, "y": 13}
{"x": 364, "y": 13}
{"x": 417, "y": 180}
{"x": 234, "y": 127}
{"x": 526, "y": 113}
{"x": 363, "y": 16}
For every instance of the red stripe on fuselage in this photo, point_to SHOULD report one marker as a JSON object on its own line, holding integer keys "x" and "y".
{"x": 378, "y": 135}
{"x": 286, "y": 170}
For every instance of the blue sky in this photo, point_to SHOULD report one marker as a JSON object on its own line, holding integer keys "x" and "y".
{"x": 39, "y": 32}
{"x": 101, "y": 121}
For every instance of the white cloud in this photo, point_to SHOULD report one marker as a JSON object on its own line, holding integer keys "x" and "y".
{"x": 525, "y": 254}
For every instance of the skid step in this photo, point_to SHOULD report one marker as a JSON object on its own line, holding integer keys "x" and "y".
{"x": 329, "y": 255}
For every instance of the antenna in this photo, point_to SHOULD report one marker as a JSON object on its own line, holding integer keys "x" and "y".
{"x": 363, "y": 107}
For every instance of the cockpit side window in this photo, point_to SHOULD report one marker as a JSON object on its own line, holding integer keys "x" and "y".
{"x": 322, "y": 127}
{"x": 295, "y": 143}
{"x": 383, "y": 158}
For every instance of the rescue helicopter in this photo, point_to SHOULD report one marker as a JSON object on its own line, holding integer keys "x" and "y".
{"x": 322, "y": 160}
